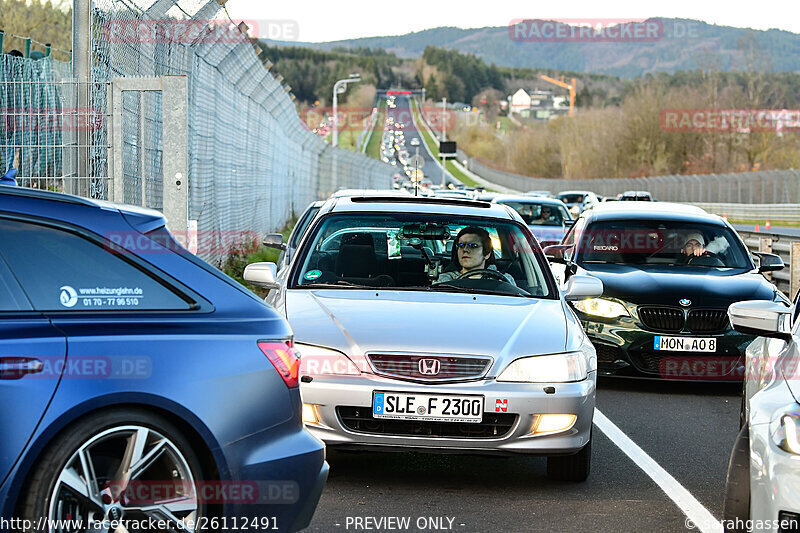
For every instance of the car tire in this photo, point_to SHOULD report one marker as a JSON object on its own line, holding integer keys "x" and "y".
{"x": 736, "y": 509}
{"x": 571, "y": 467}
{"x": 101, "y": 430}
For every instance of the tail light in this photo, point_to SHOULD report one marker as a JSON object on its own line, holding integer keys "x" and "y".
{"x": 285, "y": 360}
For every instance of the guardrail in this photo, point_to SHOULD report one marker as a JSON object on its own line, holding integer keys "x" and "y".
{"x": 772, "y": 212}
{"x": 788, "y": 248}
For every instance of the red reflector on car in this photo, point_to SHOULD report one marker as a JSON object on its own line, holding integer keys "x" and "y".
{"x": 284, "y": 359}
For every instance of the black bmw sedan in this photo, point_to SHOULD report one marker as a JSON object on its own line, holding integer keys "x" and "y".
{"x": 670, "y": 271}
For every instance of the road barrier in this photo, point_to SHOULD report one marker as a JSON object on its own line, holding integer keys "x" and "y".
{"x": 762, "y": 187}
{"x": 761, "y": 212}
{"x": 788, "y": 248}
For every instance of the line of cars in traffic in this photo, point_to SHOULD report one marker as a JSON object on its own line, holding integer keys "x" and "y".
{"x": 439, "y": 323}
{"x": 658, "y": 291}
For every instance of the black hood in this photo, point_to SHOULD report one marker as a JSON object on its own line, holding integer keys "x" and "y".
{"x": 667, "y": 284}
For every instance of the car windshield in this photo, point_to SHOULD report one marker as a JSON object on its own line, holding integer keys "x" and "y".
{"x": 652, "y": 242}
{"x": 539, "y": 214}
{"x": 571, "y": 198}
{"x": 416, "y": 252}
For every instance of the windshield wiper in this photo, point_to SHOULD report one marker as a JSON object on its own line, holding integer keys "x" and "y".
{"x": 338, "y": 285}
{"x": 446, "y": 287}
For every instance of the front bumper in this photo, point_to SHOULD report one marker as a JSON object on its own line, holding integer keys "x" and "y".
{"x": 352, "y": 395}
{"x": 625, "y": 348}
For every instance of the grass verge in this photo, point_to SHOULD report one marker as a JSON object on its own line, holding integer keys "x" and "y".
{"x": 253, "y": 252}
{"x": 783, "y": 223}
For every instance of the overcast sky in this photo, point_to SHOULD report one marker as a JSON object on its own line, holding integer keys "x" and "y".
{"x": 319, "y": 21}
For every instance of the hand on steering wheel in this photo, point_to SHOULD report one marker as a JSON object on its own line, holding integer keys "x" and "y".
{"x": 484, "y": 272}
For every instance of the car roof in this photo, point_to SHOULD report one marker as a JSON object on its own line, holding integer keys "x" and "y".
{"x": 576, "y": 191}
{"x": 141, "y": 218}
{"x": 420, "y": 204}
{"x": 366, "y": 192}
{"x": 649, "y": 211}
{"x": 529, "y": 200}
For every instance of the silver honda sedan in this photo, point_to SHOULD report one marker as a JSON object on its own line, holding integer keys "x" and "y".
{"x": 415, "y": 337}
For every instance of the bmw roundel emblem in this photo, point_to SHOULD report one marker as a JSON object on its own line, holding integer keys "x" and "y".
{"x": 685, "y": 302}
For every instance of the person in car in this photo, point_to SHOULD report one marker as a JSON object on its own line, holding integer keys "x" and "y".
{"x": 545, "y": 216}
{"x": 694, "y": 245}
{"x": 472, "y": 251}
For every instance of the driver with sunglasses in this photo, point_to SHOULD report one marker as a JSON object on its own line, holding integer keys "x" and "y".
{"x": 473, "y": 253}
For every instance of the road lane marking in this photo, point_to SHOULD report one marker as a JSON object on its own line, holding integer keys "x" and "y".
{"x": 695, "y": 512}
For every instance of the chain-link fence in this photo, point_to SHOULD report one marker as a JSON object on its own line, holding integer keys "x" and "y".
{"x": 251, "y": 163}
{"x": 763, "y": 187}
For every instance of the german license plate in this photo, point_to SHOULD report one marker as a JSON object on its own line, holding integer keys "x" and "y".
{"x": 430, "y": 407}
{"x": 685, "y": 344}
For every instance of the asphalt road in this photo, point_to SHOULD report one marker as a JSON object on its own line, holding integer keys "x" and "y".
{"x": 403, "y": 112}
{"x": 778, "y": 230}
{"x": 688, "y": 429}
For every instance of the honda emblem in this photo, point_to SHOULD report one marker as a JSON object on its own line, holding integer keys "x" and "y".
{"x": 429, "y": 367}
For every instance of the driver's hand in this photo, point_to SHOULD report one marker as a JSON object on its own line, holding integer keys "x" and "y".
{"x": 699, "y": 250}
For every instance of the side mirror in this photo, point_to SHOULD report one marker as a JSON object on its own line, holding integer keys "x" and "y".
{"x": 568, "y": 223}
{"x": 762, "y": 318}
{"x": 582, "y": 287}
{"x": 262, "y": 275}
{"x": 274, "y": 240}
{"x": 769, "y": 262}
{"x": 559, "y": 252}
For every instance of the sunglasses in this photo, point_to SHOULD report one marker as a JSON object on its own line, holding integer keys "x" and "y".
{"x": 469, "y": 245}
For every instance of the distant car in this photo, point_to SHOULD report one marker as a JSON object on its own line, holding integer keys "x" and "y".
{"x": 548, "y": 229}
{"x": 578, "y": 201}
{"x": 546, "y": 194}
{"x": 635, "y": 196}
{"x": 670, "y": 272}
{"x": 138, "y": 381}
{"x": 764, "y": 468}
{"x": 524, "y": 385}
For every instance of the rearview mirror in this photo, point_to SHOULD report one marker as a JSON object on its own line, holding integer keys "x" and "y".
{"x": 762, "y": 318}
{"x": 274, "y": 240}
{"x": 262, "y": 275}
{"x": 582, "y": 287}
{"x": 769, "y": 262}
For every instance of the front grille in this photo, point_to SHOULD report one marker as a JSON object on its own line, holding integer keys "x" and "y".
{"x": 446, "y": 366}
{"x": 648, "y": 362}
{"x": 705, "y": 320}
{"x": 608, "y": 354}
{"x": 360, "y": 420}
{"x": 662, "y": 318}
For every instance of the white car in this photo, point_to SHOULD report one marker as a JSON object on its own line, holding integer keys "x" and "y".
{"x": 764, "y": 472}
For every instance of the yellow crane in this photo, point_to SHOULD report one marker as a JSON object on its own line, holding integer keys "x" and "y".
{"x": 569, "y": 86}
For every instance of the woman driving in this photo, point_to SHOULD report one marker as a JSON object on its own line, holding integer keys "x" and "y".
{"x": 472, "y": 252}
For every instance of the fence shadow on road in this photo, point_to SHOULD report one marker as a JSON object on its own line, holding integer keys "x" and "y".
{"x": 660, "y": 386}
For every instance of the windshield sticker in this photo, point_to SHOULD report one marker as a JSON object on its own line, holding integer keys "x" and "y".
{"x": 68, "y": 297}
{"x": 313, "y": 274}
{"x": 393, "y": 244}
{"x": 100, "y": 296}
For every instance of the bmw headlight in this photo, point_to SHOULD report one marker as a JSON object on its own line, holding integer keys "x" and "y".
{"x": 316, "y": 361}
{"x": 555, "y": 368}
{"x": 602, "y": 307}
{"x": 785, "y": 430}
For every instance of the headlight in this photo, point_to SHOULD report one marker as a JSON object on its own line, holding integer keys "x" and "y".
{"x": 785, "y": 430}
{"x": 601, "y": 307}
{"x": 557, "y": 368}
{"x": 316, "y": 361}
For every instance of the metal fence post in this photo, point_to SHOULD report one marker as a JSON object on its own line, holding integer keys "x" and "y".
{"x": 794, "y": 269}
